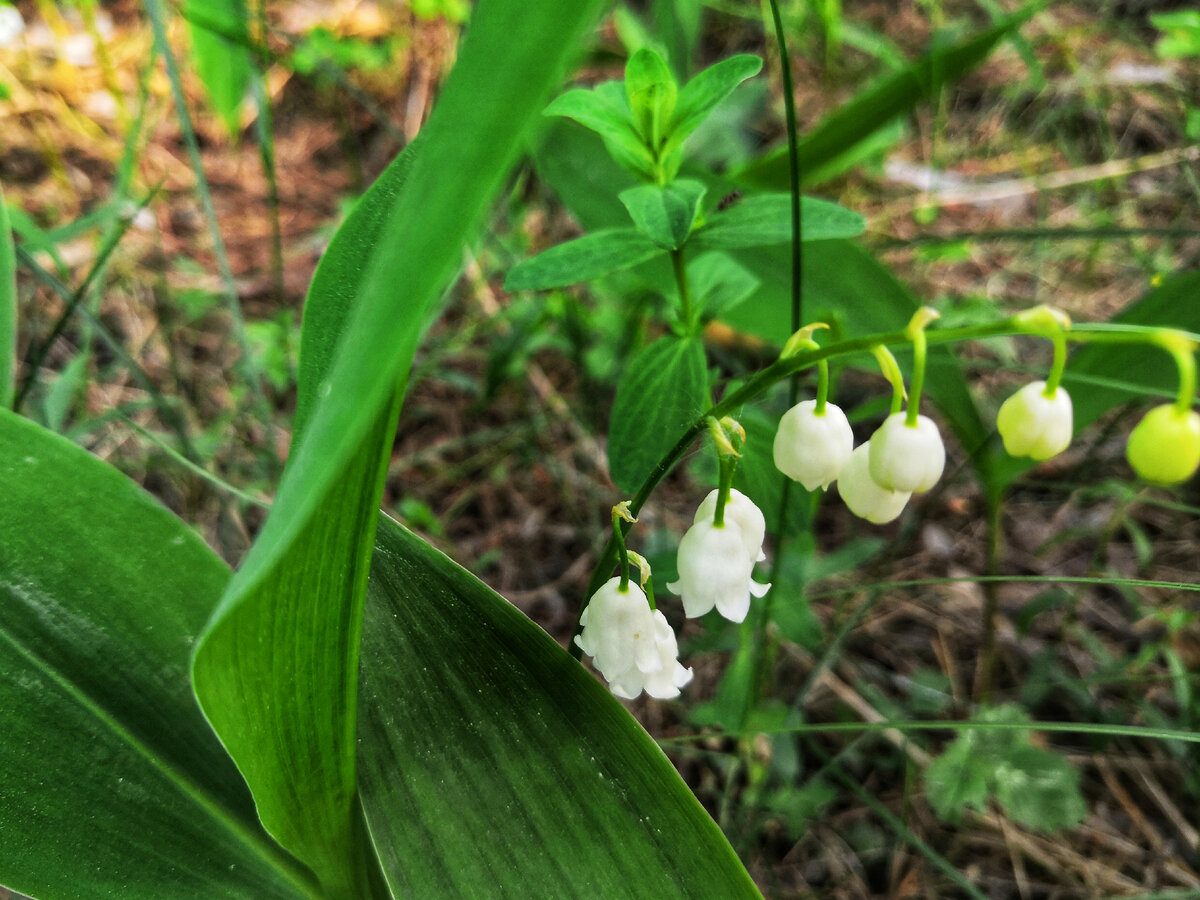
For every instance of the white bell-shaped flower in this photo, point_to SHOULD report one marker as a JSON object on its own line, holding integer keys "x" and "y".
{"x": 715, "y": 570}
{"x": 811, "y": 448}
{"x": 632, "y": 645}
{"x": 863, "y": 496}
{"x": 907, "y": 458}
{"x": 1036, "y": 425}
{"x": 741, "y": 510}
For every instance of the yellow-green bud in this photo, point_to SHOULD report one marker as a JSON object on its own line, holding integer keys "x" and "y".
{"x": 1164, "y": 448}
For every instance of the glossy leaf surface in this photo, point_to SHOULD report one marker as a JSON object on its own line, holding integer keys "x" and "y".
{"x": 665, "y": 214}
{"x": 585, "y": 258}
{"x": 663, "y": 390}
{"x": 562, "y": 796}
{"x": 765, "y": 219}
{"x": 111, "y": 783}
{"x": 276, "y": 669}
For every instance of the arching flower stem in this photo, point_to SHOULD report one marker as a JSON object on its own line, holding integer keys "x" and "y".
{"x": 916, "y": 332}
{"x": 804, "y": 358}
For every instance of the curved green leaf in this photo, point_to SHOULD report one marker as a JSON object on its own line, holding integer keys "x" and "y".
{"x": 562, "y": 796}
{"x": 663, "y": 390}
{"x": 765, "y": 219}
{"x": 582, "y": 259}
{"x": 665, "y": 214}
{"x": 700, "y": 96}
{"x": 111, "y": 783}
{"x": 223, "y": 65}
{"x": 276, "y": 668}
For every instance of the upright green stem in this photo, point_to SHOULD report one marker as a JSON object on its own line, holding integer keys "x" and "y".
{"x": 622, "y": 555}
{"x": 1058, "y": 366}
{"x": 789, "y": 112}
{"x": 918, "y": 377}
{"x": 727, "y": 464}
{"x": 891, "y": 371}
{"x": 685, "y": 293}
{"x": 1185, "y": 359}
{"x": 822, "y": 388}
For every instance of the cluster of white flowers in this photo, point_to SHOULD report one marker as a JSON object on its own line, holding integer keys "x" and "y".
{"x": 633, "y": 645}
{"x": 900, "y": 459}
{"x": 875, "y": 480}
{"x": 716, "y": 562}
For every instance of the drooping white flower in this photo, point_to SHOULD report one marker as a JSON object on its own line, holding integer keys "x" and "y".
{"x": 632, "y": 645}
{"x": 1036, "y": 425}
{"x": 1164, "y": 448}
{"x": 907, "y": 458}
{"x": 811, "y": 448}
{"x": 11, "y": 24}
{"x": 716, "y": 570}
{"x": 741, "y": 510}
{"x": 863, "y": 496}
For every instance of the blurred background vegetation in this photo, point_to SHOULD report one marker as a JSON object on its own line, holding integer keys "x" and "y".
{"x": 169, "y": 213}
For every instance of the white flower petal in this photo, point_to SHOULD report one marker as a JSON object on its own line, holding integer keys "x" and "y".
{"x": 812, "y": 449}
{"x": 907, "y": 458}
{"x": 1034, "y": 425}
{"x": 863, "y": 496}
{"x": 742, "y": 511}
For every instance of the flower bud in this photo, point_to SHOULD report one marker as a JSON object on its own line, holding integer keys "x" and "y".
{"x": 1164, "y": 448}
{"x": 1035, "y": 425}
{"x": 632, "y": 645}
{"x": 811, "y": 448}
{"x": 742, "y": 512}
{"x": 715, "y": 570}
{"x": 863, "y": 496}
{"x": 906, "y": 458}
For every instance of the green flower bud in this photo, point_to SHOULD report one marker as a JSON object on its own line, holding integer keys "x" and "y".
{"x": 1164, "y": 448}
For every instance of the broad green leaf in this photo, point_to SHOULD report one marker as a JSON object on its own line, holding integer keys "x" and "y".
{"x": 651, "y": 90}
{"x": 582, "y": 259}
{"x": 662, "y": 391}
{"x": 719, "y": 284}
{"x": 605, "y": 110}
{"x": 111, "y": 783}
{"x": 700, "y": 96}
{"x": 8, "y": 309}
{"x": 665, "y": 214}
{"x": 875, "y": 107}
{"x": 1039, "y": 788}
{"x": 224, "y": 65}
{"x": 338, "y": 279}
{"x": 764, "y": 219}
{"x": 276, "y": 668}
{"x": 1182, "y": 33}
{"x": 563, "y": 795}
{"x": 956, "y": 781}
{"x": 1036, "y": 787}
